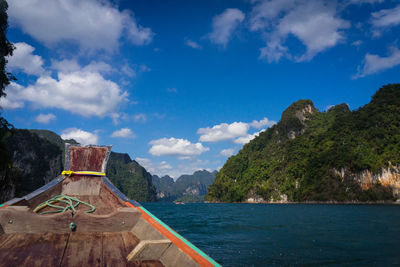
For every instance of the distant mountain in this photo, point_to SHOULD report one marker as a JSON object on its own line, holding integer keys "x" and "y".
{"x": 37, "y": 157}
{"x": 186, "y": 185}
{"x": 338, "y": 155}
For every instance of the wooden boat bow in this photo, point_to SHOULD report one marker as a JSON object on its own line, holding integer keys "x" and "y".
{"x": 120, "y": 232}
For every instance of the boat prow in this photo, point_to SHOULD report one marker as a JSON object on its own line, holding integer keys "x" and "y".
{"x": 118, "y": 232}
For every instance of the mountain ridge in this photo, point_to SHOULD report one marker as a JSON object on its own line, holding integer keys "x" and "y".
{"x": 195, "y": 184}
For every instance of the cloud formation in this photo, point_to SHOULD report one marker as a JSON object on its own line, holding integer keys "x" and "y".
{"x": 123, "y": 133}
{"x": 262, "y": 123}
{"x": 224, "y": 25}
{"x": 81, "y": 136}
{"x": 236, "y": 131}
{"x": 161, "y": 169}
{"x": 247, "y": 138}
{"x": 45, "y": 118}
{"x": 24, "y": 59}
{"x": 176, "y": 147}
{"x": 386, "y": 17}
{"x": 227, "y": 152}
{"x": 314, "y": 23}
{"x": 93, "y": 25}
{"x": 223, "y": 132}
{"x": 374, "y": 63}
{"x": 84, "y": 92}
{"x": 72, "y": 65}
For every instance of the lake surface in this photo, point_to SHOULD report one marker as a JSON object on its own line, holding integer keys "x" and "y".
{"x": 288, "y": 235}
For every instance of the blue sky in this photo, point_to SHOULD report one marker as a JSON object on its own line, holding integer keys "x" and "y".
{"x": 182, "y": 85}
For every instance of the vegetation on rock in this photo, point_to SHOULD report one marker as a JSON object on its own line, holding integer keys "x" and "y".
{"x": 299, "y": 158}
{"x": 131, "y": 178}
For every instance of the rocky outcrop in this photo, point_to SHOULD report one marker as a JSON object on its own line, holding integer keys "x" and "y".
{"x": 388, "y": 177}
{"x": 130, "y": 177}
{"x": 37, "y": 158}
{"x": 337, "y": 155}
{"x": 35, "y": 161}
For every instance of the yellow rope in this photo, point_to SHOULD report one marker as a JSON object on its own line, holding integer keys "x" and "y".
{"x": 72, "y": 173}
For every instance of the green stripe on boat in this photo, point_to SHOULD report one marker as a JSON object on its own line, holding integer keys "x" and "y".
{"x": 182, "y": 238}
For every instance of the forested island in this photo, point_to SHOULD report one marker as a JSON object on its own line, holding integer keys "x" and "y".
{"x": 337, "y": 155}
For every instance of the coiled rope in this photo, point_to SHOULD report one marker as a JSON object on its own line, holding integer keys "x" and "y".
{"x": 63, "y": 199}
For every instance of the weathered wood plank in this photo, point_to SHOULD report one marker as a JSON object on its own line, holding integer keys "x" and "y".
{"x": 149, "y": 250}
{"x": 24, "y": 221}
{"x": 32, "y": 249}
{"x": 83, "y": 249}
{"x": 113, "y": 250}
{"x": 18, "y": 219}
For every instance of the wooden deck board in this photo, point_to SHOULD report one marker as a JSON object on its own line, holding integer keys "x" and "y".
{"x": 75, "y": 249}
{"x": 83, "y": 249}
{"x": 32, "y": 249}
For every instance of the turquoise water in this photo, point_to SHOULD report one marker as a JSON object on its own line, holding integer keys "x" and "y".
{"x": 288, "y": 235}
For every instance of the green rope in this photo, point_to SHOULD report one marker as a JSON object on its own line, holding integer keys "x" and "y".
{"x": 63, "y": 199}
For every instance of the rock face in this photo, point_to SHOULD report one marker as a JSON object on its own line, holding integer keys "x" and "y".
{"x": 130, "y": 177}
{"x": 38, "y": 156}
{"x": 35, "y": 161}
{"x": 387, "y": 177}
{"x": 186, "y": 185}
{"x": 337, "y": 155}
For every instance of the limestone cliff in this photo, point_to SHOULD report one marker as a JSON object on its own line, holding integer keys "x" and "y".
{"x": 35, "y": 161}
{"x": 336, "y": 155}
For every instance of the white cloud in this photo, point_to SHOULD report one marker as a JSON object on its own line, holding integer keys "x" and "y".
{"x": 93, "y": 25}
{"x": 71, "y": 65}
{"x": 227, "y": 152}
{"x": 245, "y": 139}
{"x": 262, "y": 123}
{"x": 11, "y": 102}
{"x": 160, "y": 169}
{"x": 374, "y": 63}
{"x": 81, "y": 92}
{"x": 223, "y": 131}
{"x": 176, "y": 147}
{"x": 192, "y": 44}
{"x": 45, "y": 118}
{"x": 386, "y": 17}
{"x": 236, "y": 131}
{"x": 140, "y": 117}
{"x": 224, "y": 25}
{"x": 314, "y": 22}
{"x": 82, "y": 137}
{"x": 123, "y": 133}
{"x": 24, "y": 59}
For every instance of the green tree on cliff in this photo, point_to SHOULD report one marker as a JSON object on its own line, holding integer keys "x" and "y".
{"x": 6, "y": 49}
